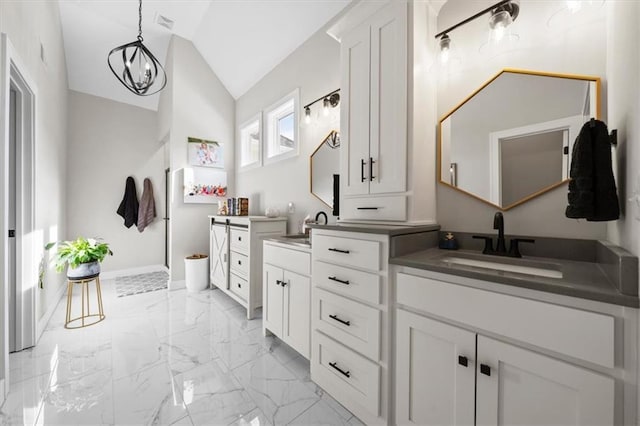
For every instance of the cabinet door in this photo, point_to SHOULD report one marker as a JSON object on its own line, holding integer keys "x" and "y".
{"x": 388, "y": 134}
{"x": 273, "y": 298}
{"x": 433, "y": 385}
{"x": 354, "y": 111}
{"x": 526, "y": 388}
{"x": 297, "y": 312}
{"x": 219, "y": 256}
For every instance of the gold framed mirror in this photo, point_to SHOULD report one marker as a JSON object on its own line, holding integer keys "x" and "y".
{"x": 511, "y": 139}
{"x": 324, "y": 163}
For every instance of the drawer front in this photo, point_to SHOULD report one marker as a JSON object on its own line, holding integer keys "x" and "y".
{"x": 354, "y": 324}
{"x": 239, "y": 240}
{"x": 291, "y": 260}
{"x": 239, "y": 264}
{"x": 349, "y": 282}
{"x": 239, "y": 286}
{"x": 574, "y": 332}
{"x": 347, "y": 251}
{"x": 346, "y": 375}
{"x": 374, "y": 208}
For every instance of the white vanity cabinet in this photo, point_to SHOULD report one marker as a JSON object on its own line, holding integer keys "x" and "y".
{"x": 380, "y": 67}
{"x": 516, "y": 360}
{"x": 287, "y": 294}
{"x": 350, "y": 354}
{"x": 235, "y": 246}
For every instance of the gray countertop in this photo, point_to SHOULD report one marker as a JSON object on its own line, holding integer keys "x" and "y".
{"x": 580, "y": 279}
{"x": 391, "y": 230}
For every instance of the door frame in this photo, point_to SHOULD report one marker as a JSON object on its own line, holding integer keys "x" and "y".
{"x": 13, "y": 73}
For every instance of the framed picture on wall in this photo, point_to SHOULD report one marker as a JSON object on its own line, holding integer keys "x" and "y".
{"x": 203, "y": 185}
{"x": 204, "y": 153}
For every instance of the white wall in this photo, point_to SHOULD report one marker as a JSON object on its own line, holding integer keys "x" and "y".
{"x": 109, "y": 141}
{"x": 28, "y": 24}
{"x": 314, "y": 68}
{"x": 200, "y": 107}
{"x": 577, "y": 46}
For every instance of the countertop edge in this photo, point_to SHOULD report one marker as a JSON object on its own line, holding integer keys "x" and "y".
{"x": 615, "y": 299}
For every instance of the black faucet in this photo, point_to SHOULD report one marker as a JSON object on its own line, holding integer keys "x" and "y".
{"x": 501, "y": 248}
{"x": 498, "y": 223}
{"x": 321, "y": 213}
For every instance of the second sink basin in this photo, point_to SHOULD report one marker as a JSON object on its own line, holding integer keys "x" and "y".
{"x": 530, "y": 268}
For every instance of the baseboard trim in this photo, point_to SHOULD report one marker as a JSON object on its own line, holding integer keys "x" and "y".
{"x": 177, "y": 285}
{"x": 44, "y": 320}
{"x": 108, "y": 275}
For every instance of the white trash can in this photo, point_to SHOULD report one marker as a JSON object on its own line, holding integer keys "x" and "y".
{"x": 196, "y": 272}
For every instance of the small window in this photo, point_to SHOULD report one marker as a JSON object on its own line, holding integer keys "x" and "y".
{"x": 281, "y": 125}
{"x": 250, "y": 143}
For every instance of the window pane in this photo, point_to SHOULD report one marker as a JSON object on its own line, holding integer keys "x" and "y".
{"x": 286, "y": 135}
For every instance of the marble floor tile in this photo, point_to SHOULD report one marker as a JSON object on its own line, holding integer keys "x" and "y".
{"x": 148, "y": 397}
{"x": 212, "y": 394}
{"x": 278, "y": 393}
{"x": 165, "y": 357}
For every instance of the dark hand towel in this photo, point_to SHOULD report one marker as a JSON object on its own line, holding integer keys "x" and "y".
{"x": 147, "y": 211}
{"x": 592, "y": 189}
{"x": 128, "y": 208}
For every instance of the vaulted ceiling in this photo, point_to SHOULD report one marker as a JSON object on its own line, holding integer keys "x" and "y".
{"x": 241, "y": 40}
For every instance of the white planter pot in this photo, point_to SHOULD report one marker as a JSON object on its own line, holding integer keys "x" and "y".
{"x": 196, "y": 272}
{"x": 84, "y": 270}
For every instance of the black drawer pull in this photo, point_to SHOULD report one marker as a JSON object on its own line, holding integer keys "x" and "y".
{"x": 463, "y": 361}
{"x": 239, "y": 286}
{"x": 335, "y": 365}
{"x": 338, "y": 280}
{"x": 339, "y": 250}
{"x": 485, "y": 369}
{"x": 239, "y": 262}
{"x": 278, "y": 282}
{"x": 335, "y": 317}
{"x": 367, "y": 208}
{"x": 362, "y": 163}
{"x": 371, "y": 176}
{"x": 239, "y": 238}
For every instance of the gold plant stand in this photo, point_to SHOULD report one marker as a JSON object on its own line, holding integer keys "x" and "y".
{"x": 87, "y": 318}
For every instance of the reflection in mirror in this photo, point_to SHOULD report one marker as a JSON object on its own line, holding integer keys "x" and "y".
{"x": 511, "y": 139}
{"x": 325, "y": 162}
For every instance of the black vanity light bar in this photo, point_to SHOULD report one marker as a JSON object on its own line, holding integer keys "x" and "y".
{"x": 321, "y": 98}
{"x": 471, "y": 18}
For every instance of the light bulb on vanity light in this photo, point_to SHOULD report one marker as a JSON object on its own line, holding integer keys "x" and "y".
{"x": 445, "y": 48}
{"x": 501, "y": 19}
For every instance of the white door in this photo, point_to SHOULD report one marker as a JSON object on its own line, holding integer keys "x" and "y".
{"x": 388, "y": 134}
{"x": 273, "y": 298}
{"x": 219, "y": 256}
{"x": 435, "y": 372}
{"x": 297, "y": 312}
{"x": 520, "y": 387}
{"x": 354, "y": 111}
{"x": 11, "y": 261}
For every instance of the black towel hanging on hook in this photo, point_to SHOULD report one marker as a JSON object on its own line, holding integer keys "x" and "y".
{"x": 592, "y": 189}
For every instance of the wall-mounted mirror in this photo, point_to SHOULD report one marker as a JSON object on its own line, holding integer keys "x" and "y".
{"x": 325, "y": 162}
{"x": 511, "y": 139}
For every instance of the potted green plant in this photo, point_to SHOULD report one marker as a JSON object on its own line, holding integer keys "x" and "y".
{"x": 83, "y": 256}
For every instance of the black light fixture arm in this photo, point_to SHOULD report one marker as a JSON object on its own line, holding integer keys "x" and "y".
{"x": 140, "y": 20}
{"x": 471, "y": 18}
{"x": 321, "y": 98}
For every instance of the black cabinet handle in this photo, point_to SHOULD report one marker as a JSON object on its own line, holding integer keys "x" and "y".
{"x": 335, "y": 317}
{"x": 239, "y": 238}
{"x": 367, "y": 208}
{"x": 362, "y": 178}
{"x": 463, "y": 361}
{"x": 338, "y": 280}
{"x": 239, "y": 286}
{"x": 371, "y": 176}
{"x": 485, "y": 369}
{"x": 284, "y": 283}
{"x": 239, "y": 262}
{"x": 339, "y": 251}
{"x": 278, "y": 282}
{"x": 335, "y": 365}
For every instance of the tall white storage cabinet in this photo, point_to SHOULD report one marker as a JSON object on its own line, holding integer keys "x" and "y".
{"x": 387, "y": 117}
{"x": 236, "y": 255}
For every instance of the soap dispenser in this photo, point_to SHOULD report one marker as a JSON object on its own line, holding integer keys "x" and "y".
{"x": 448, "y": 242}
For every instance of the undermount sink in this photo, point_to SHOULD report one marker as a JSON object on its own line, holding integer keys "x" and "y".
{"x": 539, "y": 269}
